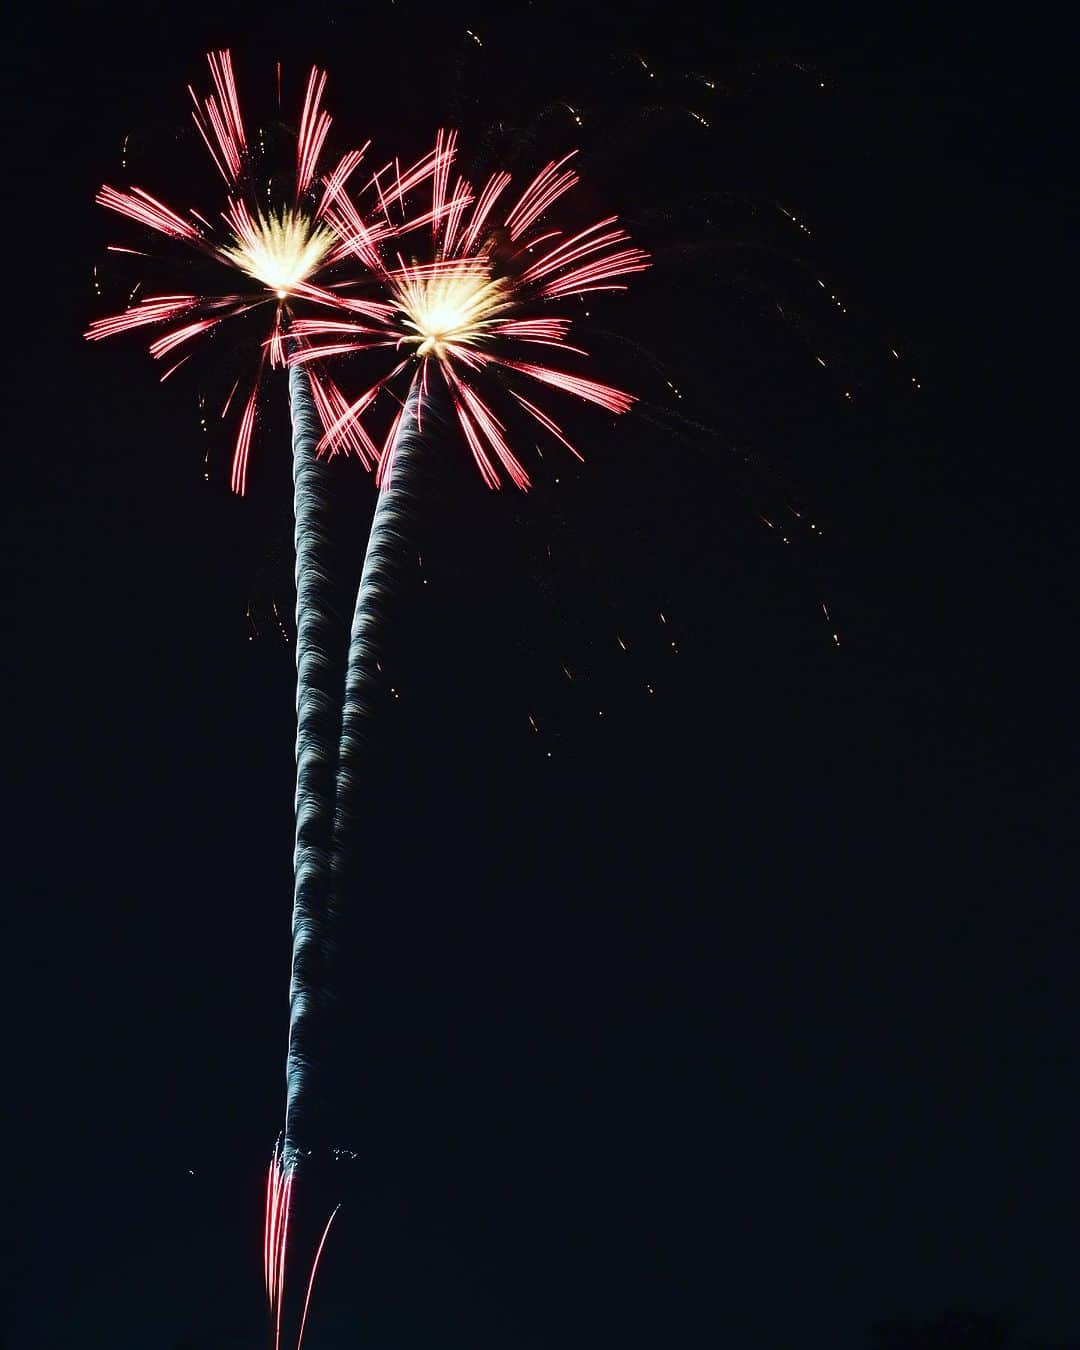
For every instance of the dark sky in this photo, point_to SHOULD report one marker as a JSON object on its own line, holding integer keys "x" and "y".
{"x": 744, "y": 1013}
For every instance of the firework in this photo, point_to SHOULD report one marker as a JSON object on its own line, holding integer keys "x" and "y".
{"x": 472, "y": 313}
{"x": 269, "y": 259}
{"x": 469, "y": 315}
{"x": 281, "y": 257}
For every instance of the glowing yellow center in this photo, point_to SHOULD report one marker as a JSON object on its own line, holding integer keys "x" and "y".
{"x": 450, "y": 306}
{"x": 280, "y": 251}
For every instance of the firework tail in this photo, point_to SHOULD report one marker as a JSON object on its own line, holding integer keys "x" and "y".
{"x": 316, "y": 727}
{"x": 317, "y": 693}
{"x": 321, "y": 835}
{"x": 383, "y": 562}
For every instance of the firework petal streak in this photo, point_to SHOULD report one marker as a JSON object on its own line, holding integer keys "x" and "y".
{"x": 477, "y": 306}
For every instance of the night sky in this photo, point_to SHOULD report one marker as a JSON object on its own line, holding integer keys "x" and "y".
{"x": 734, "y": 1004}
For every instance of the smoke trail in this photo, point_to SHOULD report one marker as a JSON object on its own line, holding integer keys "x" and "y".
{"x": 383, "y": 559}
{"x": 316, "y": 727}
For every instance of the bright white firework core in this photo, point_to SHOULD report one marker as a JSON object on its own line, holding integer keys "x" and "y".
{"x": 450, "y": 304}
{"x": 280, "y": 251}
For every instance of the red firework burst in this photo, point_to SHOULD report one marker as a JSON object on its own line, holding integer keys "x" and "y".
{"x": 474, "y": 309}
{"x": 276, "y": 251}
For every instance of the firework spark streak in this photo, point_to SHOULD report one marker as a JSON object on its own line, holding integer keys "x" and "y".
{"x": 477, "y": 307}
{"x": 316, "y": 734}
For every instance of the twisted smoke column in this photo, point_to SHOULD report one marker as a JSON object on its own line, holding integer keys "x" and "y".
{"x": 316, "y": 734}
{"x": 383, "y": 564}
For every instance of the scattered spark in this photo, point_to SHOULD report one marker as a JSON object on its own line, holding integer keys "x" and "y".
{"x": 828, "y": 620}
{"x": 797, "y": 222}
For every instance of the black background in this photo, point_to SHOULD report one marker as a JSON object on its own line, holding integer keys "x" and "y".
{"x": 745, "y": 1011}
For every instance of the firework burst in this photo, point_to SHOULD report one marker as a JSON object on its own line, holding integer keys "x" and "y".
{"x": 281, "y": 256}
{"x": 473, "y": 310}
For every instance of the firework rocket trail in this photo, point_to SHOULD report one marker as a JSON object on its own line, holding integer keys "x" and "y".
{"x": 383, "y": 561}
{"x": 316, "y": 733}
